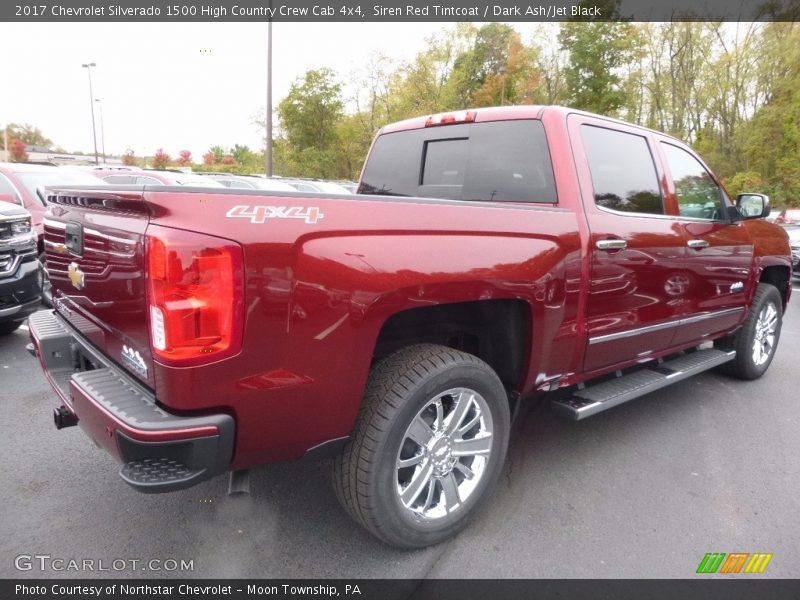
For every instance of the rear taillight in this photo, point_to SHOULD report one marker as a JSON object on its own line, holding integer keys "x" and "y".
{"x": 195, "y": 295}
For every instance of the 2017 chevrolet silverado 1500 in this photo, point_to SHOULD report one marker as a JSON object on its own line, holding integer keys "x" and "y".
{"x": 490, "y": 255}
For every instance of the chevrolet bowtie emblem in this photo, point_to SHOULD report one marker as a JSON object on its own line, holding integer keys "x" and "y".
{"x": 76, "y": 276}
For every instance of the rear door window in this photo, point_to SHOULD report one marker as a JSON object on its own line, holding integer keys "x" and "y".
{"x": 493, "y": 161}
{"x": 624, "y": 175}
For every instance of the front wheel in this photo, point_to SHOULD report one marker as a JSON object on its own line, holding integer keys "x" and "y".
{"x": 756, "y": 341}
{"x": 428, "y": 446}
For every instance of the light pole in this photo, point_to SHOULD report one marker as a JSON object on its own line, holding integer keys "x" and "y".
{"x": 268, "y": 153}
{"x": 88, "y": 67}
{"x": 102, "y": 129}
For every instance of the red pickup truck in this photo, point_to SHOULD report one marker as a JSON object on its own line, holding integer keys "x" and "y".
{"x": 489, "y": 256}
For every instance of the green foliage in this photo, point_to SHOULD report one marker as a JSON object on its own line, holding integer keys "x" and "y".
{"x": 731, "y": 90}
{"x": 744, "y": 181}
{"x": 598, "y": 52}
{"x": 26, "y": 133}
{"x": 309, "y": 117}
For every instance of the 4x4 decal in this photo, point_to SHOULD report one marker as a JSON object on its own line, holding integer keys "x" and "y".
{"x": 260, "y": 214}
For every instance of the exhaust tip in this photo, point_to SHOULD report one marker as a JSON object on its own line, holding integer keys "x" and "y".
{"x": 62, "y": 417}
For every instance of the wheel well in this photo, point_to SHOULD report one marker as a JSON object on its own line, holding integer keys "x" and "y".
{"x": 778, "y": 277}
{"x": 496, "y": 331}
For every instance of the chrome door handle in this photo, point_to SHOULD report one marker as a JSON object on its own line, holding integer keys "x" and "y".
{"x": 697, "y": 244}
{"x": 611, "y": 244}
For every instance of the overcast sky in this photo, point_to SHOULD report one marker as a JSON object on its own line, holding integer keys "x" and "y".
{"x": 176, "y": 86}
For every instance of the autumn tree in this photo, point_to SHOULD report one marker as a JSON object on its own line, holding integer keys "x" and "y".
{"x": 17, "y": 150}
{"x": 184, "y": 158}
{"x": 27, "y": 133}
{"x": 128, "y": 158}
{"x": 161, "y": 159}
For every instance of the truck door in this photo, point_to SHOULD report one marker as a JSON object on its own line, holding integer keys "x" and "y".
{"x": 638, "y": 279}
{"x": 719, "y": 254}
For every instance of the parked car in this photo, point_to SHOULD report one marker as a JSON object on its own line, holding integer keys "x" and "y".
{"x": 156, "y": 177}
{"x": 491, "y": 256}
{"x": 20, "y": 272}
{"x": 788, "y": 216}
{"x": 794, "y": 242}
{"x": 23, "y": 184}
{"x": 249, "y": 182}
{"x": 313, "y": 185}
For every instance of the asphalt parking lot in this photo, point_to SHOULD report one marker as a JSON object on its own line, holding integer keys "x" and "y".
{"x": 642, "y": 491}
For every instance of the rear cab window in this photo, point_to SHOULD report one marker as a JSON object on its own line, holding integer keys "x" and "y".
{"x": 491, "y": 161}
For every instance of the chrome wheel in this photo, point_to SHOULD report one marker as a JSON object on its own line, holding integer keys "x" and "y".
{"x": 764, "y": 338}
{"x": 444, "y": 453}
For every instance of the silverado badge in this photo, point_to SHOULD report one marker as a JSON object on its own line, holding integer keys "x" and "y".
{"x": 134, "y": 360}
{"x": 76, "y": 276}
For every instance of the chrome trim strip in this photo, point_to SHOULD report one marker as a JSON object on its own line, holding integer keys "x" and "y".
{"x": 703, "y": 317}
{"x": 610, "y": 337}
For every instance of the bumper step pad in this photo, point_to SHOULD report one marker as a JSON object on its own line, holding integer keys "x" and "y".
{"x": 157, "y": 471}
{"x": 597, "y": 398}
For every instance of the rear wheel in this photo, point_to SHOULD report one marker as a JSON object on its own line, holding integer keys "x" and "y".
{"x": 756, "y": 341}
{"x": 428, "y": 445}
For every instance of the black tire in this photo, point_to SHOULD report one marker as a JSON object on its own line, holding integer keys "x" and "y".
{"x": 47, "y": 288}
{"x": 9, "y": 327}
{"x": 754, "y": 352}
{"x": 407, "y": 386}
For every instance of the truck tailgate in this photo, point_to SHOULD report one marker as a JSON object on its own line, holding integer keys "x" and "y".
{"x": 94, "y": 244}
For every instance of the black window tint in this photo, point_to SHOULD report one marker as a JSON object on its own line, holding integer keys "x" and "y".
{"x": 445, "y": 162}
{"x": 698, "y": 194}
{"x": 623, "y": 173}
{"x": 501, "y": 160}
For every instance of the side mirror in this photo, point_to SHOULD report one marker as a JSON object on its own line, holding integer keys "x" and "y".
{"x": 8, "y": 198}
{"x": 753, "y": 206}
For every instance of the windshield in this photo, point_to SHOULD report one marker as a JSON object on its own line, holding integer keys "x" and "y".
{"x": 37, "y": 179}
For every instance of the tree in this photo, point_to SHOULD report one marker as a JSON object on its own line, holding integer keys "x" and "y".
{"x": 161, "y": 159}
{"x": 17, "y": 150}
{"x": 128, "y": 158}
{"x": 242, "y": 154}
{"x": 598, "y": 53}
{"x": 208, "y": 158}
{"x": 27, "y": 133}
{"x": 309, "y": 116}
{"x": 184, "y": 158}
